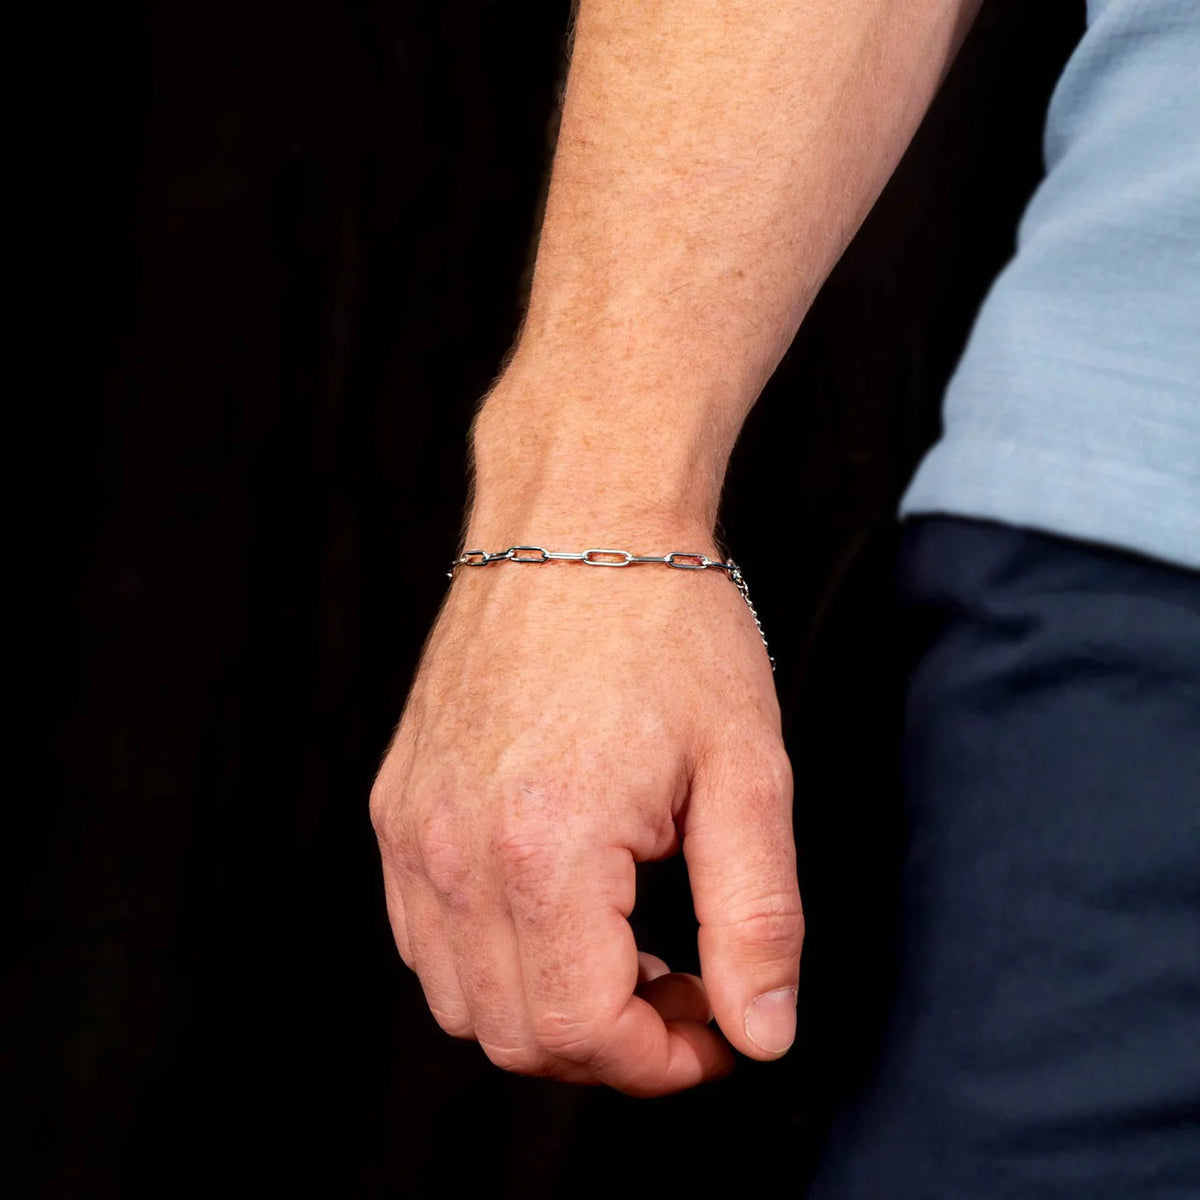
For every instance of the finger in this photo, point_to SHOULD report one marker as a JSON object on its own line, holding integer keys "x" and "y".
{"x": 481, "y": 936}
{"x": 434, "y": 963}
{"x": 644, "y": 1054}
{"x": 650, "y": 967}
{"x": 481, "y": 943}
{"x": 580, "y": 967}
{"x": 677, "y": 997}
{"x": 396, "y": 914}
{"x": 741, "y": 860}
{"x": 489, "y": 969}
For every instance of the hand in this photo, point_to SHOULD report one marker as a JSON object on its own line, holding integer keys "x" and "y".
{"x": 565, "y": 723}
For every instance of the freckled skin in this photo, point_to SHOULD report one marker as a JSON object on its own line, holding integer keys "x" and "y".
{"x": 713, "y": 160}
{"x": 535, "y": 791}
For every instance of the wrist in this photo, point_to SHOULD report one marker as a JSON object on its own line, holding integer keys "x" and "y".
{"x": 540, "y": 504}
{"x": 586, "y": 459}
{"x": 583, "y": 524}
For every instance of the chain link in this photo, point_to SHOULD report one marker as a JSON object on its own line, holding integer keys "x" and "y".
{"x": 598, "y": 557}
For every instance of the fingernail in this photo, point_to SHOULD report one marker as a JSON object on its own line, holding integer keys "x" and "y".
{"x": 771, "y": 1020}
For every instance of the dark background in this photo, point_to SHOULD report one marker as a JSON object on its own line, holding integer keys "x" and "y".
{"x": 308, "y": 229}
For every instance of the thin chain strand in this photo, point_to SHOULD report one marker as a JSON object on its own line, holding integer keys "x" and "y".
{"x": 597, "y": 557}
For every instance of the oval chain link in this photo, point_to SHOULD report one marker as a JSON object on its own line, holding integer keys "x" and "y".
{"x": 678, "y": 560}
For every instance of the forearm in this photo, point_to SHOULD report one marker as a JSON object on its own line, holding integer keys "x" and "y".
{"x": 713, "y": 160}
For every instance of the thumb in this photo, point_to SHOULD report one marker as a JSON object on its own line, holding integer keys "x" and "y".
{"x": 741, "y": 858}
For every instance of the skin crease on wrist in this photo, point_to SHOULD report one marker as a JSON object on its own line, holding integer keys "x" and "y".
{"x": 566, "y": 721}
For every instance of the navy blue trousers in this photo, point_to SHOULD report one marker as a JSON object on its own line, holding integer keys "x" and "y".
{"x": 1045, "y": 1037}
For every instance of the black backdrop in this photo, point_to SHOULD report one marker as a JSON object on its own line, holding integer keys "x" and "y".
{"x": 312, "y": 225}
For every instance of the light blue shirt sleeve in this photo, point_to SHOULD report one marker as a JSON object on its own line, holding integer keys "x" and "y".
{"x": 1075, "y": 408}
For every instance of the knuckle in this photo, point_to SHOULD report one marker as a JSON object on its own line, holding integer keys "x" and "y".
{"x": 456, "y": 1022}
{"x": 444, "y": 858}
{"x": 393, "y": 825}
{"x": 771, "y": 927}
{"x": 519, "y": 1059}
{"x": 528, "y": 859}
{"x": 377, "y": 806}
{"x": 777, "y": 772}
{"x": 769, "y": 780}
{"x": 384, "y": 814}
{"x": 576, "y": 1037}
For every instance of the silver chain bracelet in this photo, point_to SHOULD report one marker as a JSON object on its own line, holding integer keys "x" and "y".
{"x": 617, "y": 558}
